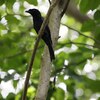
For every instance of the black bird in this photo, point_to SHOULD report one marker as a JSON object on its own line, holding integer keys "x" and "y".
{"x": 38, "y": 20}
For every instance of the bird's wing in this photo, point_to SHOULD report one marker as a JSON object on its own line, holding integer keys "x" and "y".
{"x": 47, "y": 32}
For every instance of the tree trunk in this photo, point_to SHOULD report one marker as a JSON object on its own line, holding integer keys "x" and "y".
{"x": 75, "y": 13}
{"x": 46, "y": 65}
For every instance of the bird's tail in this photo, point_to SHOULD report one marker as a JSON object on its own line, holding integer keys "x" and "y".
{"x": 51, "y": 51}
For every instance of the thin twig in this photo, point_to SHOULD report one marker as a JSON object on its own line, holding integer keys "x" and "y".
{"x": 49, "y": 2}
{"x": 83, "y": 44}
{"x": 35, "y": 48}
{"x": 81, "y": 33}
{"x": 65, "y": 8}
{"x": 13, "y": 14}
{"x": 17, "y": 54}
{"x": 72, "y": 64}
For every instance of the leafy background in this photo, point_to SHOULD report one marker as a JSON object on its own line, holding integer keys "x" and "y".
{"x": 77, "y": 64}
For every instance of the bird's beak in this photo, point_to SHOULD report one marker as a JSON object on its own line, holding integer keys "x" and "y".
{"x": 27, "y": 11}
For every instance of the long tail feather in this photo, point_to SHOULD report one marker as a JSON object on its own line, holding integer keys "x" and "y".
{"x": 51, "y": 51}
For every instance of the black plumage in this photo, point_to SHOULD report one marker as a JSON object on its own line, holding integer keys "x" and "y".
{"x": 38, "y": 20}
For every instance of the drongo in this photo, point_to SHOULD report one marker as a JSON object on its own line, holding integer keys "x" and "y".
{"x": 38, "y": 20}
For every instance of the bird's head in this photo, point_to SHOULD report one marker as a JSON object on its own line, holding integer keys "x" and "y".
{"x": 34, "y": 12}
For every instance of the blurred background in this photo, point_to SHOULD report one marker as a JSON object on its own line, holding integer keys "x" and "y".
{"x": 77, "y": 64}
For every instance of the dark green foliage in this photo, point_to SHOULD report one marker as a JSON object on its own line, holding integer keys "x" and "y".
{"x": 97, "y": 15}
{"x": 86, "y": 5}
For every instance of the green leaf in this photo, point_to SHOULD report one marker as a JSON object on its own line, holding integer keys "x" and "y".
{"x": 83, "y": 5}
{"x": 0, "y": 16}
{"x": 11, "y": 19}
{"x": 34, "y": 2}
{"x": 59, "y": 62}
{"x": 93, "y": 85}
{"x": 15, "y": 83}
{"x": 11, "y": 96}
{"x": 59, "y": 94}
{"x": 2, "y": 27}
{"x": 88, "y": 26}
{"x": 97, "y": 31}
{"x": 97, "y": 15}
{"x": 86, "y": 5}
{"x": 9, "y": 4}
{"x": 12, "y": 22}
{"x": 2, "y": 2}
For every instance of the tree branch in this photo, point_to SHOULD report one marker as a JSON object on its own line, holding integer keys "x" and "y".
{"x": 74, "y": 64}
{"x": 35, "y": 48}
{"x": 17, "y": 54}
{"x": 97, "y": 41}
{"x": 65, "y": 8}
{"x": 46, "y": 66}
{"x": 83, "y": 44}
{"x": 71, "y": 64}
{"x": 13, "y": 14}
{"x": 75, "y": 12}
{"x": 49, "y": 2}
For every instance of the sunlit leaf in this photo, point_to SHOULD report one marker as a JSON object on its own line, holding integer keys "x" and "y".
{"x": 9, "y": 4}
{"x": 34, "y": 2}
{"x": 88, "y": 26}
